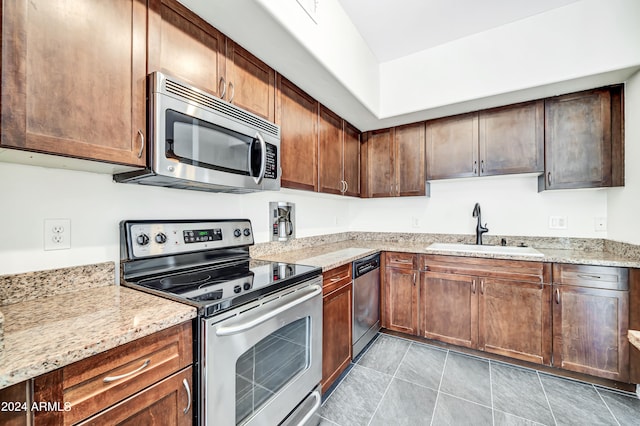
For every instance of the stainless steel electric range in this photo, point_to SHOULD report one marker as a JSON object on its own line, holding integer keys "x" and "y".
{"x": 258, "y": 334}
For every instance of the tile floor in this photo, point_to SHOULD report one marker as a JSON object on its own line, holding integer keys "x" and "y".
{"x": 400, "y": 382}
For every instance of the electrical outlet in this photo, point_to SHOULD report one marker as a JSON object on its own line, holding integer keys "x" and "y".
{"x": 600, "y": 223}
{"x": 557, "y": 222}
{"x": 57, "y": 234}
{"x": 415, "y": 222}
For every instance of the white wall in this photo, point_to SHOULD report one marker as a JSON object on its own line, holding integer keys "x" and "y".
{"x": 510, "y": 205}
{"x": 95, "y": 205}
{"x": 581, "y": 39}
{"x": 624, "y": 203}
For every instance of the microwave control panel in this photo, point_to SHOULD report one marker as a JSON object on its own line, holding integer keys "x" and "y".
{"x": 271, "y": 169}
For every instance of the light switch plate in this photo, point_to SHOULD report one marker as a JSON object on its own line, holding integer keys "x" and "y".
{"x": 557, "y": 222}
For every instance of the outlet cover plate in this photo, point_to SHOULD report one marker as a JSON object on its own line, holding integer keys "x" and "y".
{"x": 57, "y": 234}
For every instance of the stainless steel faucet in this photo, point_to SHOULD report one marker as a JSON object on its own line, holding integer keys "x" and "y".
{"x": 479, "y": 228}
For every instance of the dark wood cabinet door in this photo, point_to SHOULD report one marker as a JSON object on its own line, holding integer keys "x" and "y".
{"x": 515, "y": 319}
{"x": 401, "y": 300}
{"x": 166, "y": 402}
{"x": 75, "y": 85}
{"x": 452, "y": 147}
{"x": 330, "y": 152}
{"x": 183, "y": 45}
{"x": 380, "y": 163}
{"x": 250, "y": 82}
{"x": 449, "y": 308}
{"x": 297, "y": 116}
{"x": 512, "y": 139}
{"x": 351, "y": 160}
{"x": 578, "y": 141}
{"x": 590, "y": 331}
{"x": 336, "y": 334}
{"x": 410, "y": 161}
{"x": 15, "y": 394}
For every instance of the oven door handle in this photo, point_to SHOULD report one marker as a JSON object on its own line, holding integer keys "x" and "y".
{"x": 269, "y": 312}
{"x": 314, "y": 409}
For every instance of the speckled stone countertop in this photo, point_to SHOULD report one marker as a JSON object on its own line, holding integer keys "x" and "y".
{"x": 634, "y": 338}
{"x": 62, "y": 327}
{"x": 352, "y": 247}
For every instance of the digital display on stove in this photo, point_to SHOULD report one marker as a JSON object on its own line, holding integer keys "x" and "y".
{"x": 202, "y": 235}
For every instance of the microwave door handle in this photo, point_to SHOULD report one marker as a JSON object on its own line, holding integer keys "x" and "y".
{"x": 263, "y": 159}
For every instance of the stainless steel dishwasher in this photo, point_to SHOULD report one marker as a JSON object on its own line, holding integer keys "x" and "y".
{"x": 366, "y": 301}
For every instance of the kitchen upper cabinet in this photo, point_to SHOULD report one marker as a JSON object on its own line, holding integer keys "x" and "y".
{"x": 452, "y": 147}
{"x": 584, "y": 140}
{"x": 184, "y": 46}
{"x": 511, "y": 139}
{"x": 251, "y": 82}
{"x": 336, "y": 323}
{"x": 73, "y": 78}
{"x": 395, "y": 161}
{"x": 496, "y": 306}
{"x": 400, "y": 292}
{"x": 591, "y": 320}
{"x": 187, "y": 47}
{"x": 498, "y": 141}
{"x": 338, "y": 155}
{"x": 297, "y": 116}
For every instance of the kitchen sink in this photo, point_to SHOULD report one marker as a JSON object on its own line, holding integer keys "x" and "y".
{"x": 473, "y": 248}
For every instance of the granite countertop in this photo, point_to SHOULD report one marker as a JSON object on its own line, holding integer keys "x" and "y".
{"x": 332, "y": 255}
{"x": 47, "y": 333}
{"x": 634, "y": 338}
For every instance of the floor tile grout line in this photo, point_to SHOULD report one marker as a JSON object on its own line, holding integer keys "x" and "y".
{"x": 493, "y": 410}
{"x": 329, "y": 420}
{"x": 547, "y": 398}
{"x": 388, "y": 385}
{"x": 433, "y": 416}
{"x": 520, "y": 417}
{"x": 464, "y": 399}
{"x": 606, "y": 405}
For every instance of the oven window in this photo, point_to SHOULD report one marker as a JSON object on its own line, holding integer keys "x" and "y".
{"x": 269, "y": 365}
{"x": 203, "y": 144}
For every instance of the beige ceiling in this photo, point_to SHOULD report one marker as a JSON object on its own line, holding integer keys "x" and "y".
{"x": 396, "y": 28}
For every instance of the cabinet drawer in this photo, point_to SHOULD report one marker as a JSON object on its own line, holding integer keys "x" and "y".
{"x": 518, "y": 270}
{"x": 400, "y": 260}
{"x": 98, "y": 382}
{"x": 336, "y": 278}
{"x": 605, "y": 277}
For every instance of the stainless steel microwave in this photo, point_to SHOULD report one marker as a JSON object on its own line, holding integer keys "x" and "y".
{"x": 198, "y": 141}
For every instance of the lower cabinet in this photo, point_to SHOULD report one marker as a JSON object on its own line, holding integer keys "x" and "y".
{"x": 336, "y": 323}
{"x": 137, "y": 383}
{"x": 497, "y": 306}
{"x": 400, "y": 293}
{"x": 591, "y": 320}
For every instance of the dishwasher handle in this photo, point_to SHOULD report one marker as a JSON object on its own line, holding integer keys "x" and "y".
{"x": 366, "y": 265}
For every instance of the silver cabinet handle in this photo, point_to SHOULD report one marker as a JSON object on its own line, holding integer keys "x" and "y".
{"x": 186, "y": 386}
{"x": 270, "y": 311}
{"x": 475, "y": 167}
{"x": 222, "y": 91}
{"x": 549, "y": 179}
{"x": 482, "y": 167}
{"x": 482, "y": 286}
{"x": 109, "y": 379}
{"x": 557, "y": 296}
{"x": 414, "y": 279}
{"x": 590, "y": 277}
{"x": 233, "y": 92}
{"x": 473, "y": 286}
{"x": 346, "y": 186}
{"x": 141, "y": 143}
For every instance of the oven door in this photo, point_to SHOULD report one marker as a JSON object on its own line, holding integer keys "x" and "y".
{"x": 263, "y": 360}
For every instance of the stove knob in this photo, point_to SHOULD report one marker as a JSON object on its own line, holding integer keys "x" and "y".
{"x": 237, "y": 233}
{"x": 237, "y": 289}
{"x": 246, "y": 286}
{"x": 247, "y": 232}
{"x": 161, "y": 238}
{"x": 142, "y": 239}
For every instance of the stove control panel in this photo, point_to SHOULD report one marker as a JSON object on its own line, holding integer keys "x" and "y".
{"x": 148, "y": 238}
